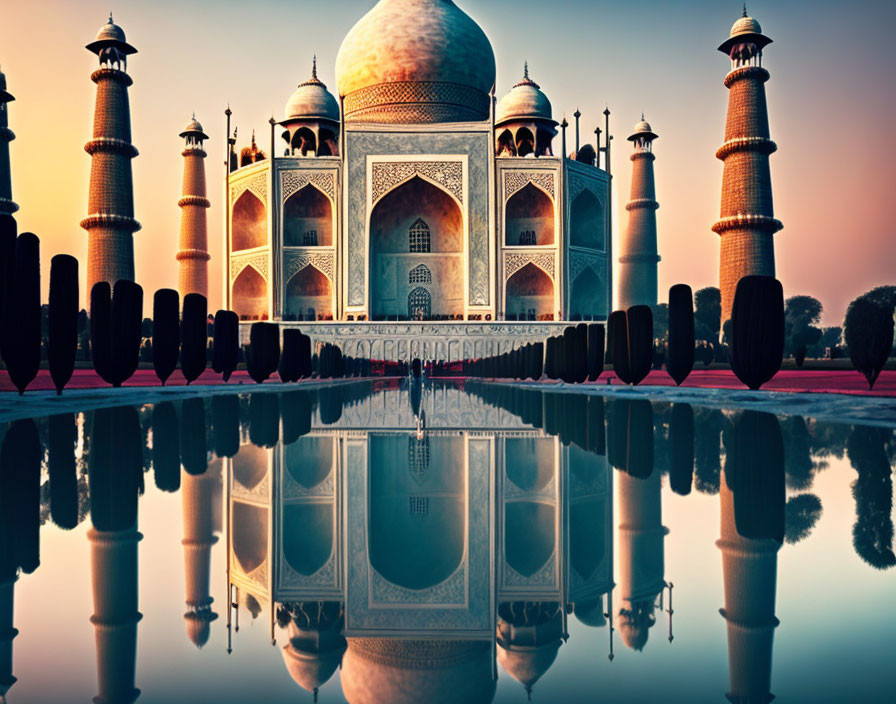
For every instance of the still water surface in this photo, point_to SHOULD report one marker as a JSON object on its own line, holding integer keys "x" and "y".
{"x": 433, "y": 543}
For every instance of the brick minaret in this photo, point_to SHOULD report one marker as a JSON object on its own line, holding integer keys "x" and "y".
{"x": 7, "y": 205}
{"x": 199, "y": 494}
{"x": 638, "y": 257}
{"x": 193, "y": 255}
{"x": 110, "y": 222}
{"x": 750, "y": 571}
{"x": 747, "y": 221}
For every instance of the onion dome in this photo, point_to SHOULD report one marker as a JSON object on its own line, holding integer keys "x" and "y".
{"x": 399, "y": 671}
{"x": 745, "y": 30}
{"x": 111, "y": 35}
{"x": 590, "y": 613}
{"x": 193, "y": 128}
{"x": 415, "y": 61}
{"x": 643, "y": 130}
{"x": 311, "y": 670}
{"x": 197, "y": 625}
{"x": 526, "y": 664}
{"x": 311, "y": 101}
{"x": 525, "y": 101}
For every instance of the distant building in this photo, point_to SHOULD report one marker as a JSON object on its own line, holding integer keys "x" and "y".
{"x": 193, "y": 255}
{"x": 747, "y": 222}
{"x": 412, "y": 198}
{"x": 110, "y": 222}
{"x": 638, "y": 250}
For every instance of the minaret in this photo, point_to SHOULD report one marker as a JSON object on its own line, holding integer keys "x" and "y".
{"x": 638, "y": 257}
{"x": 7, "y": 205}
{"x": 750, "y": 569}
{"x": 198, "y": 494}
{"x": 110, "y": 222}
{"x": 747, "y": 221}
{"x": 193, "y": 255}
{"x": 641, "y": 555}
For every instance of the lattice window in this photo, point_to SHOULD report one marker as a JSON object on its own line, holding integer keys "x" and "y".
{"x": 527, "y": 237}
{"x": 418, "y": 237}
{"x": 310, "y": 238}
{"x": 418, "y": 456}
{"x": 420, "y": 274}
{"x": 419, "y": 304}
{"x": 418, "y": 505}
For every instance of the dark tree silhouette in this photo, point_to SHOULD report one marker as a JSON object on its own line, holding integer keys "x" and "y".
{"x": 296, "y": 407}
{"x": 62, "y": 436}
{"x": 165, "y": 332}
{"x": 264, "y": 419}
{"x": 193, "y": 449}
{"x": 801, "y": 315}
{"x": 617, "y": 336}
{"x": 869, "y": 336}
{"x": 226, "y": 343}
{"x": 630, "y": 437}
{"x": 681, "y": 439}
{"x": 20, "y": 459}
{"x": 166, "y": 447}
{"x": 580, "y": 353}
{"x": 115, "y": 330}
{"x": 708, "y": 427}
{"x": 595, "y": 351}
{"x": 194, "y": 337}
{"x": 757, "y": 330}
{"x": 681, "y": 333}
{"x": 330, "y": 405}
{"x": 640, "y": 342}
{"x": 226, "y": 424}
{"x": 21, "y": 349}
{"x": 263, "y": 354}
{"x": 62, "y": 343}
{"x": 290, "y": 358}
{"x": 872, "y": 535}
{"x": 800, "y": 516}
{"x": 708, "y": 316}
{"x": 115, "y": 468}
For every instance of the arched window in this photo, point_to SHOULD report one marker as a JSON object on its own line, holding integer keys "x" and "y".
{"x": 527, "y": 237}
{"x": 419, "y": 304}
{"x": 420, "y": 274}
{"x": 418, "y": 237}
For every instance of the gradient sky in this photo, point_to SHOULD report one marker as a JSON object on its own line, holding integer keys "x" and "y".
{"x": 832, "y": 97}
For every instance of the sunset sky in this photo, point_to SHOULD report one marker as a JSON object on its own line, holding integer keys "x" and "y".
{"x": 832, "y": 100}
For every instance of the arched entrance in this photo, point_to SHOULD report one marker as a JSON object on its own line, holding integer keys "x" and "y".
{"x": 249, "y": 295}
{"x": 307, "y": 219}
{"x": 416, "y": 224}
{"x": 419, "y": 304}
{"x": 529, "y": 295}
{"x": 249, "y": 225}
{"x": 589, "y": 296}
{"x": 587, "y": 222}
{"x": 308, "y": 295}
{"x": 529, "y": 218}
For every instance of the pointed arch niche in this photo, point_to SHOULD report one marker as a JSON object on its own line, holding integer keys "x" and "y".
{"x": 529, "y": 295}
{"x": 397, "y": 248}
{"x": 308, "y": 219}
{"x": 529, "y": 218}
{"x": 249, "y": 294}
{"x": 588, "y": 298}
{"x": 586, "y": 222}
{"x": 309, "y": 295}
{"x": 249, "y": 227}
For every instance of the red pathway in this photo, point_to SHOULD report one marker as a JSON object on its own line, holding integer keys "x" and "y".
{"x": 805, "y": 381}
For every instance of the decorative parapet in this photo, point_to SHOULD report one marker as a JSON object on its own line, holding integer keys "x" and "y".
{"x": 194, "y": 200}
{"x": 579, "y": 260}
{"x": 110, "y": 220}
{"x": 642, "y": 203}
{"x": 762, "y": 145}
{"x": 755, "y": 222}
{"x": 738, "y": 74}
{"x": 111, "y": 144}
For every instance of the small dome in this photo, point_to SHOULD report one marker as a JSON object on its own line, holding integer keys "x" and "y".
{"x": 527, "y": 664}
{"x": 311, "y": 670}
{"x": 312, "y": 100}
{"x": 415, "y": 61}
{"x": 111, "y": 34}
{"x": 195, "y": 128}
{"x": 524, "y": 101}
{"x": 745, "y": 25}
{"x": 642, "y": 130}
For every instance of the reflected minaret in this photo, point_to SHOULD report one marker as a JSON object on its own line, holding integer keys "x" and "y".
{"x": 638, "y": 255}
{"x": 7, "y": 205}
{"x": 199, "y": 494}
{"x": 193, "y": 255}
{"x": 641, "y": 555}
{"x": 747, "y": 223}
{"x": 110, "y": 222}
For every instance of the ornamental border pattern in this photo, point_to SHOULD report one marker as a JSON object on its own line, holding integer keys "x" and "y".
{"x": 257, "y": 184}
{"x": 577, "y": 184}
{"x": 293, "y": 263}
{"x": 386, "y": 175}
{"x": 259, "y": 262}
{"x": 517, "y": 180}
{"x": 579, "y": 261}
{"x": 293, "y": 180}
{"x": 514, "y": 261}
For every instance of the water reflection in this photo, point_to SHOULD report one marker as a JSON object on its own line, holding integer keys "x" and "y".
{"x": 419, "y": 539}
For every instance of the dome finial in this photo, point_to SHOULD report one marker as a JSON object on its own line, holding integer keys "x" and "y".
{"x": 745, "y": 11}
{"x": 110, "y": 18}
{"x": 642, "y": 116}
{"x": 526, "y": 69}
{"x": 314, "y": 67}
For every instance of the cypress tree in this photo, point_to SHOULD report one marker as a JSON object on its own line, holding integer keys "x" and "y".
{"x": 681, "y": 333}
{"x": 8, "y": 231}
{"x": 62, "y": 436}
{"x": 305, "y": 356}
{"x": 640, "y": 342}
{"x": 264, "y": 419}
{"x": 263, "y": 354}
{"x": 63, "y": 322}
{"x": 290, "y": 361}
{"x": 165, "y": 332}
{"x": 568, "y": 356}
{"x": 330, "y": 404}
{"x": 617, "y": 327}
{"x": 757, "y": 330}
{"x": 681, "y": 437}
{"x": 127, "y": 330}
{"x": 101, "y": 330}
{"x": 23, "y": 334}
{"x": 226, "y": 424}
{"x": 194, "y": 333}
{"x": 166, "y": 447}
{"x": 20, "y": 464}
{"x": 115, "y": 468}
{"x": 193, "y": 448}
{"x": 295, "y": 408}
{"x": 226, "y": 343}
{"x": 595, "y": 351}
{"x": 581, "y": 352}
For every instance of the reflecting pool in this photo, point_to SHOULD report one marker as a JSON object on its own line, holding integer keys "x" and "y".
{"x": 439, "y": 542}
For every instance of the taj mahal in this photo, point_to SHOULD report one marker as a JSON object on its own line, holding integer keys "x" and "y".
{"x": 417, "y": 196}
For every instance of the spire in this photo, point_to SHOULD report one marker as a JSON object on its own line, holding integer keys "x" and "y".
{"x": 745, "y": 11}
{"x": 526, "y": 69}
{"x": 642, "y": 116}
{"x": 314, "y": 67}
{"x": 110, "y": 18}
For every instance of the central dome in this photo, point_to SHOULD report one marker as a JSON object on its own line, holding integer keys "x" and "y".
{"x": 415, "y": 61}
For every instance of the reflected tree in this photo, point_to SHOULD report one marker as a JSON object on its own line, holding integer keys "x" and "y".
{"x": 872, "y": 534}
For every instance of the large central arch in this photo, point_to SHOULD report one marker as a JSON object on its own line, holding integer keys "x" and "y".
{"x": 416, "y": 223}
